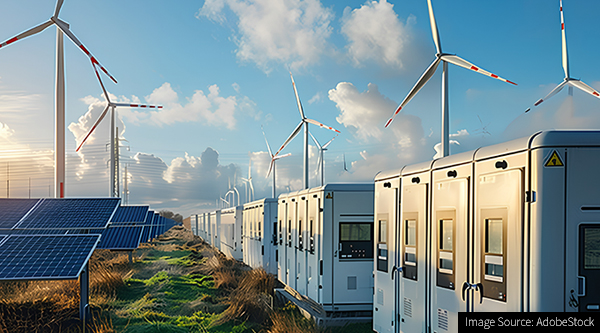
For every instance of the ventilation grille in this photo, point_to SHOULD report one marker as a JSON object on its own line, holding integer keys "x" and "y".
{"x": 442, "y": 319}
{"x": 379, "y": 296}
{"x": 352, "y": 283}
{"x": 407, "y": 307}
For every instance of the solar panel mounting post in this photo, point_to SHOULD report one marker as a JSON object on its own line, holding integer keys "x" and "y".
{"x": 84, "y": 294}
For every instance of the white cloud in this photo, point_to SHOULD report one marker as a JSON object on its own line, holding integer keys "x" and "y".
{"x": 375, "y": 33}
{"x": 5, "y": 131}
{"x": 271, "y": 32}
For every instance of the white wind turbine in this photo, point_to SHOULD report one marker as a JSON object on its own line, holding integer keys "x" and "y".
{"x": 248, "y": 183}
{"x": 321, "y": 157}
{"x": 303, "y": 122}
{"x": 114, "y": 136}
{"x": 445, "y": 58}
{"x": 571, "y": 82}
{"x": 272, "y": 164}
{"x": 59, "y": 136}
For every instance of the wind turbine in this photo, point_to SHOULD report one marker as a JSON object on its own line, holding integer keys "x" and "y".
{"x": 248, "y": 181}
{"x": 345, "y": 169}
{"x": 445, "y": 58}
{"x": 320, "y": 160}
{"x": 59, "y": 106}
{"x": 568, "y": 80}
{"x": 303, "y": 122}
{"x": 114, "y": 143}
{"x": 272, "y": 164}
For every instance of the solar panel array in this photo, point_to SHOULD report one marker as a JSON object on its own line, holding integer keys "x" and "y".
{"x": 70, "y": 214}
{"x": 32, "y": 257}
{"x": 54, "y": 238}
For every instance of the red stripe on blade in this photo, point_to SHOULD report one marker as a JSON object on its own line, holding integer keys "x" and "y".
{"x": 511, "y": 82}
{"x": 85, "y": 50}
{"x": 494, "y": 76}
{"x": 474, "y": 68}
{"x": 12, "y": 40}
{"x": 538, "y": 102}
{"x": 595, "y": 94}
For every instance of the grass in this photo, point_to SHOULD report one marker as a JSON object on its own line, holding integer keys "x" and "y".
{"x": 175, "y": 284}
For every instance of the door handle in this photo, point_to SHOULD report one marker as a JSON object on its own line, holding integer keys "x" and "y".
{"x": 476, "y": 286}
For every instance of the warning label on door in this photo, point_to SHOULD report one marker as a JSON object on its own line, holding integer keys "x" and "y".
{"x": 554, "y": 160}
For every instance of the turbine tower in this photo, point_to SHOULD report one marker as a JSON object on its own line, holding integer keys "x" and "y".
{"x": 272, "y": 164}
{"x": 322, "y": 149}
{"x": 59, "y": 107}
{"x": 445, "y": 58}
{"x": 248, "y": 183}
{"x": 568, "y": 80}
{"x": 303, "y": 122}
{"x": 114, "y": 136}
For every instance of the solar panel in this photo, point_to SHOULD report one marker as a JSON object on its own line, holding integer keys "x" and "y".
{"x": 130, "y": 214}
{"x": 70, "y": 214}
{"x": 121, "y": 238}
{"x": 147, "y": 226}
{"x": 12, "y": 210}
{"x": 45, "y": 257}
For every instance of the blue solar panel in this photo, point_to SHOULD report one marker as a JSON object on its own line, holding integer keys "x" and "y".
{"x": 45, "y": 257}
{"x": 147, "y": 226}
{"x": 12, "y": 210}
{"x": 70, "y": 214}
{"x": 121, "y": 238}
{"x": 130, "y": 214}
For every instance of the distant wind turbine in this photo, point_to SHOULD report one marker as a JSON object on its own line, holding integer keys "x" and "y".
{"x": 321, "y": 157}
{"x": 272, "y": 164}
{"x": 445, "y": 58}
{"x": 568, "y": 80}
{"x": 59, "y": 106}
{"x": 303, "y": 122}
{"x": 345, "y": 168}
{"x": 248, "y": 183}
{"x": 114, "y": 144}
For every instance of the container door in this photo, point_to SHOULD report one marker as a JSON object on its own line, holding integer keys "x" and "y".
{"x": 448, "y": 264}
{"x": 589, "y": 267}
{"x": 411, "y": 295}
{"x": 385, "y": 269}
{"x": 497, "y": 260}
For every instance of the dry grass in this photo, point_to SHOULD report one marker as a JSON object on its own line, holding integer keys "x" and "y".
{"x": 226, "y": 272}
{"x": 252, "y": 300}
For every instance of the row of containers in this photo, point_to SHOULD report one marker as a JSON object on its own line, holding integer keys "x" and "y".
{"x": 513, "y": 227}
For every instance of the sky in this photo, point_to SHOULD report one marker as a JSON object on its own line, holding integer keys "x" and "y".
{"x": 221, "y": 71}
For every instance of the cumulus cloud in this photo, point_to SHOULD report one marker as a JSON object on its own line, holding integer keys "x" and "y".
{"x": 375, "y": 33}
{"x": 275, "y": 32}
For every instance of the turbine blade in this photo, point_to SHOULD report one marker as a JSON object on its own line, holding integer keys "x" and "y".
{"x": 565, "y": 59}
{"x": 314, "y": 122}
{"x": 458, "y": 61}
{"x": 148, "y": 106}
{"x": 270, "y": 167}
{"x": 93, "y": 127}
{"x": 32, "y": 31}
{"x": 281, "y": 156}
{"x": 65, "y": 29}
{"x": 297, "y": 98}
{"x": 58, "y": 6}
{"x": 554, "y": 91}
{"x": 291, "y": 137}
{"x": 268, "y": 147}
{"x": 584, "y": 87}
{"x": 434, "y": 29}
{"x": 328, "y": 142}
{"x": 101, "y": 83}
{"x": 315, "y": 140}
{"x": 420, "y": 83}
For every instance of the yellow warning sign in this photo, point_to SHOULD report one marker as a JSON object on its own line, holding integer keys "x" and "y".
{"x": 554, "y": 160}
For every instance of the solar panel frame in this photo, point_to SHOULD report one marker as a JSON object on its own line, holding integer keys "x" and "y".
{"x": 45, "y": 257}
{"x": 72, "y": 213}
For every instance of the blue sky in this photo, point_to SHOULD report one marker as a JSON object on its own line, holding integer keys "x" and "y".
{"x": 220, "y": 69}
